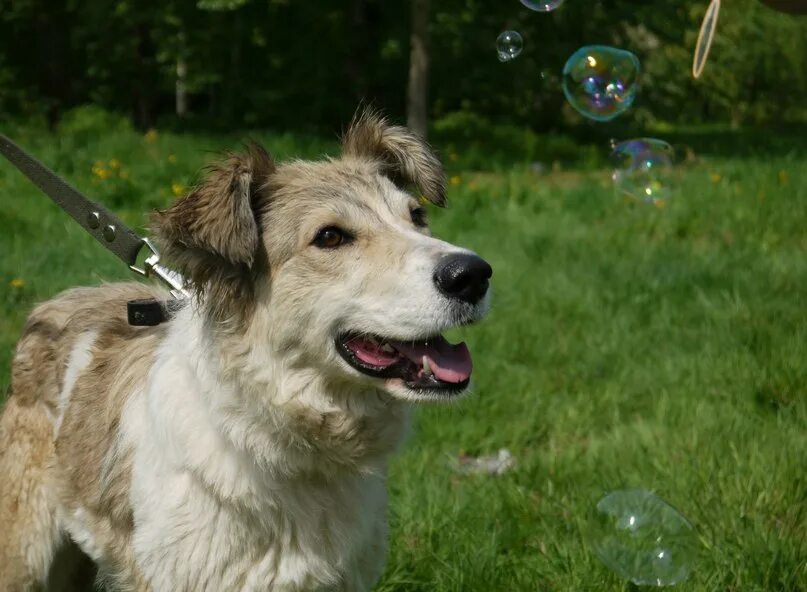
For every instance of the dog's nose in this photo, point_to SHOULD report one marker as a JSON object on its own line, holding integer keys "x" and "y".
{"x": 463, "y": 276}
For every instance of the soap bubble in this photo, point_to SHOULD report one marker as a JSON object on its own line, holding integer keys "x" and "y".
{"x": 643, "y": 169}
{"x": 542, "y": 5}
{"x": 643, "y": 538}
{"x": 508, "y": 45}
{"x": 600, "y": 82}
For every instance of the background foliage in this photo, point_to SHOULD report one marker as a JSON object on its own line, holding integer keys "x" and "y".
{"x": 307, "y": 64}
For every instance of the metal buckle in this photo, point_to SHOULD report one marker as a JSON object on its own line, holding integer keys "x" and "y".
{"x": 153, "y": 268}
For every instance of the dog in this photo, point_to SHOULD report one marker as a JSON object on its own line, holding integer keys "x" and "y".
{"x": 243, "y": 444}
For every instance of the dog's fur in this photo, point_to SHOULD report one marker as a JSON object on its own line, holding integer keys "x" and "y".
{"x": 230, "y": 448}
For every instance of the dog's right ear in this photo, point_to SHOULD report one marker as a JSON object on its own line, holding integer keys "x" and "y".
{"x": 212, "y": 235}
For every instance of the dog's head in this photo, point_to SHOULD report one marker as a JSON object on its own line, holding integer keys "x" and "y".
{"x": 331, "y": 264}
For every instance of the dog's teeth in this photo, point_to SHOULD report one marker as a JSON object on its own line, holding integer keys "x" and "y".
{"x": 427, "y": 370}
{"x": 388, "y": 348}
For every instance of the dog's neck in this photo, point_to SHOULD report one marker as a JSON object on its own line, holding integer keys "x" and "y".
{"x": 288, "y": 418}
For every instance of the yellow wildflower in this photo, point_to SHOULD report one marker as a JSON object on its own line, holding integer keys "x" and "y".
{"x": 114, "y": 164}
{"x": 455, "y": 180}
{"x": 782, "y": 177}
{"x": 17, "y": 283}
{"x": 151, "y": 135}
{"x": 715, "y": 178}
{"x": 172, "y": 158}
{"x": 178, "y": 189}
{"x": 100, "y": 172}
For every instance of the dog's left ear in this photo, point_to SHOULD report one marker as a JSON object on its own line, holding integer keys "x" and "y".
{"x": 405, "y": 156}
{"x": 212, "y": 235}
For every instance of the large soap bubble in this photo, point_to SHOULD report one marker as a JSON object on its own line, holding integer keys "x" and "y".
{"x": 600, "y": 82}
{"x": 643, "y": 538}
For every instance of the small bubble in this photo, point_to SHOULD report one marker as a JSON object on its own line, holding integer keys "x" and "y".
{"x": 509, "y": 45}
{"x": 542, "y": 5}
{"x": 643, "y": 169}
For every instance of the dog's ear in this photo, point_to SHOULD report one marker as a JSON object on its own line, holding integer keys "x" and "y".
{"x": 405, "y": 156}
{"x": 212, "y": 235}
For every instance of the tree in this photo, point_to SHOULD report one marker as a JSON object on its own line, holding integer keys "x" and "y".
{"x": 417, "y": 104}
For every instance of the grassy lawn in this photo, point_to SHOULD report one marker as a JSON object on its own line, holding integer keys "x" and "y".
{"x": 628, "y": 346}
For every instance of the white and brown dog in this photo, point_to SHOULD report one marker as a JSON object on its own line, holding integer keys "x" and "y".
{"x": 242, "y": 445}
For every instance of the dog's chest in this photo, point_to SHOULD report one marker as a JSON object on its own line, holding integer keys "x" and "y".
{"x": 220, "y": 524}
{"x": 228, "y": 497}
{"x": 309, "y": 541}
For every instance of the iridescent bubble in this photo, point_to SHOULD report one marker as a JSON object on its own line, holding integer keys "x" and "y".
{"x": 600, "y": 81}
{"x": 643, "y": 538}
{"x": 542, "y": 5}
{"x": 508, "y": 45}
{"x": 643, "y": 169}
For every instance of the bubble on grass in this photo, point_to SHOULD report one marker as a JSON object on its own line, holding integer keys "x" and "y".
{"x": 508, "y": 45}
{"x": 542, "y": 5}
{"x": 600, "y": 82}
{"x": 643, "y": 169}
{"x": 643, "y": 538}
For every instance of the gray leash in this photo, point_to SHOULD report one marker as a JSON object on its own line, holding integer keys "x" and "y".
{"x": 102, "y": 224}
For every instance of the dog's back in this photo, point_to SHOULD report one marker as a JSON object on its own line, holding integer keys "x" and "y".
{"x": 53, "y": 430}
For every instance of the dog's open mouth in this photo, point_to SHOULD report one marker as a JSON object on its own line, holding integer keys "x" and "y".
{"x": 431, "y": 363}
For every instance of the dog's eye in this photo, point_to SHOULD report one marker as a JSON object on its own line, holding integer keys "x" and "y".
{"x": 331, "y": 237}
{"x": 418, "y": 217}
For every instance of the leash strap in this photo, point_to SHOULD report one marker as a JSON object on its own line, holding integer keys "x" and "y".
{"x": 102, "y": 224}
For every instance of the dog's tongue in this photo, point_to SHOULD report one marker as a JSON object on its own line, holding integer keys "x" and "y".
{"x": 449, "y": 363}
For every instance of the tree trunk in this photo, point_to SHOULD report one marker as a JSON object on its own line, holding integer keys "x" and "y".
{"x": 143, "y": 79}
{"x": 182, "y": 78}
{"x": 358, "y": 50}
{"x": 417, "y": 104}
{"x": 232, "y": 94}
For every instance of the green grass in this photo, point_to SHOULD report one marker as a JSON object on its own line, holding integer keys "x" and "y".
{"x": 628, "y": 346}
